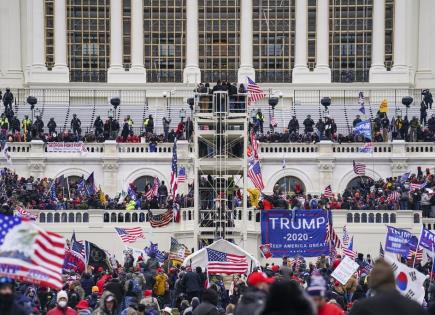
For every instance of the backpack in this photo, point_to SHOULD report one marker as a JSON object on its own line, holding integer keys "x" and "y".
{"x": 137, "y": 288}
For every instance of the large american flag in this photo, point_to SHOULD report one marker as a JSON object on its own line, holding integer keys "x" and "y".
{"x": 414, "y": 186}
{"x": 160, "y": 220}
{"x": 328, "y": 192}
{"x": 42, "y": 253}
{"x": 78, "y": 246}
{"x": 130, "y": 235}
{"x": 359, "y": 168}
{"x": 255, "y": 92}
{"x": 332, "y": 237}
{"x": 254, "y": 173}
{"x": 174, "y": 172}
{"x": 225, "y": 263}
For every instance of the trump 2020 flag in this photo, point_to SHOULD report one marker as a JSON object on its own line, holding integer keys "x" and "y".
{"x": 29, "y": 253}
{"x": 427, "y": 239}
{"x": 409, "y": 282}
{"x": 364, "y": 128}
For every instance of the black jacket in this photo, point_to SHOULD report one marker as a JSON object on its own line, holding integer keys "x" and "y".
{"x": 387, "y": 303}
{"x": 116, "y": 288}
{"x": 206, "y": 308}
{"x": 12, "y": 309}
{"x": 192, "y": 282}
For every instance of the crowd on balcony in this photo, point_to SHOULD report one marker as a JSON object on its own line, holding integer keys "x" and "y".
{"x": 383, "y": 130}
{"x": 407, "y": 192}
{"x": 80, "y": 193}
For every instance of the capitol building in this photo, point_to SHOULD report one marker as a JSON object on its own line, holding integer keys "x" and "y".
{"x": 78, "y": 56}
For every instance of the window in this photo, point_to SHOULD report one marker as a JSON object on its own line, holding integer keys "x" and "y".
{"x": 49, "y": 33}
{"x": 290, "y": 184}
{"x": 142, "y": 181}
{"x": 219, "y": 31}
{"x": 273, "y": 39}
{"x": 357, "y": 181}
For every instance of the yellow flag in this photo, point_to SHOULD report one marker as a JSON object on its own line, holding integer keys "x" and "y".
{"x": 254, "y": 196}
{"x": 383, "y": 108}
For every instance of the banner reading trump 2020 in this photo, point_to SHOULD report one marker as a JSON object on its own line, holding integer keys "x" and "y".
{"x": 297, "y": 232}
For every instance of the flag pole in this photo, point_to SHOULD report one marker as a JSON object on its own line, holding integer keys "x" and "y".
{"x": 416, "y": 250}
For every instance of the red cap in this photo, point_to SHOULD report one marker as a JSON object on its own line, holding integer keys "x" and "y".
{"x": 148, "y": 292}
{"x": 275, "y": 268}
{"x": 159, "y": 270}
{"x": 83, "y": 304}
{"x": 259, "y": 277}
{"x": 100, "y": 269}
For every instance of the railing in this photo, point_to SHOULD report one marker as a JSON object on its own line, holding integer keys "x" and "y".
{"x": 380, "y": 216}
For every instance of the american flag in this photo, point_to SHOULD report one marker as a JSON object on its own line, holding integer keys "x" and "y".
{"x": 393, "y": 197}
{"x": 348, "y": 251}
{"x": 153, "y": 191}
{"x": 78, "y": 246}
{"x": 255, "y": 92}
{"x": 414, "y": 186}
{"x": 224, "y": 263}
{"x": 332, "y": 237}
{"x": 131, "y": 192}
{"x": 42, "y": 253}
{"x": 174, "y": 173}
{"x": 359, "y": 168}
{"x": 25, "y": 214}
{"x": 361, "y": 103}
{"x": 160, "y": 220}
{"x": 254, "y": 173}
{"x": 417, "y": 254}
{"x": 345, "y": 237}
{"x": 381, "y": 250}
{"x": 328, "y": 192}
{"x": 365, "y": 268}
{"x": 254, "y": 144}
{"x": 182, "y": 175}
{"x": 130, "y": 235}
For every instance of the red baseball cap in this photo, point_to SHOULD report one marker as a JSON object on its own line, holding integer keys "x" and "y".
{"x": 275, "y": 268}
{"x": 258, "y": 277}
{"x": 82, "y": 305}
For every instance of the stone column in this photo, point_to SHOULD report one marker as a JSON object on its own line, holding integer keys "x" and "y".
{"x": 192, "y": 73}
{"x": 246, "y": 38}
{"x": 38, "y": 56}
{"x": 322, "y": 70}
{"x": 137, "y": 57}
{"x": 400, "y": 67}
{"x": 116, "y": 70}
{"x": 300, "y": 69}
{"x": 60, "y": 64}
{"x": 377, "y": 69}
{"x": 110, "y": 168}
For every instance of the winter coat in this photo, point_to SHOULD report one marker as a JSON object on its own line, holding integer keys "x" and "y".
{"x": 191, "y": 282}
{"x": 160, "y": 284}
{"x": 387, "y": 303}
{"x": 252, "y": 302}
{"x": 101, "y": 310}
{"x": 206, "y": 308}
{"x": 116, "y": 288}
{"x": 59, "y": 311}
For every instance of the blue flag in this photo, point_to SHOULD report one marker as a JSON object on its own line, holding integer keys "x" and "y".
{"x": 399, "y": 241}
{"x": 427, "y": 239}
{"x": 364, "y": 128}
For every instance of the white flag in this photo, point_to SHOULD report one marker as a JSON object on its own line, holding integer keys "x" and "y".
{"x": 6, "y": 154}
{"x": 409, "y": 281}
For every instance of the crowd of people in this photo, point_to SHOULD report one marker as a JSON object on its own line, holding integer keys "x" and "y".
{"x": 151, "y": 286}
{"x": 64, "y": 193}
{"x": 382, "y": 130}
{"x": 406, "y": 192}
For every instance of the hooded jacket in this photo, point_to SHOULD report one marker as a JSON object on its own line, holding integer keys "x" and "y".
{"x": 101, "y": 310}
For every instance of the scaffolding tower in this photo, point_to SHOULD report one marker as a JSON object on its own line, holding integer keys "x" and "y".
{"x": 220, "y": 140}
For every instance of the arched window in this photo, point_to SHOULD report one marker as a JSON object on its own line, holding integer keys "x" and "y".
{"x": 127, "y": 217}
{"x": 85, "y": 217}
{"x": 290, "y": 184}
{"x": 142, "y": 181}
{"x": 356, "y": 218}
{"x": 393, "y": 218}
{"x": 134, "y": 217}
{"x": 364, "y": 218}
{"x": 184, "y": 215}
{"x": 249, "y": 215}
{"x": 71, "y": 217}
{"x": 257, "y": 217}
{"x": 378, "y": 218}
{"x": 358, "y": 181}
{"x": 416, "y": 218}
{"x": 385, "y": 218}
{"x": 142, "y": 217}
{"x": 113, "y": 217}
{"x": 371, "y": 218}
{"x": 42, "y": 217}
{"x": 120, "y": 217}
{"x": 64, "y": 217}
{"x": 49, "y": 217}
{"x": 79, "y": 217}
{"x": 349, "y": 218}
{"x": 57, "y": 217}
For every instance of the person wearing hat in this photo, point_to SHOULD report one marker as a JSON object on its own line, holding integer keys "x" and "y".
{"x": 93, "y": 298}
{"x": 149, "y": 301}
{"x": 209, "y": 303}
{"x": 8, "y": 305}
{"x": 62, "y": 307}
{"x": 167, "y": 311}
{"x": 254, "y": 298}
{"x": 317, "y": 290}
{"x": 108, "y": 304}
{"x": 82, "y": 308}
{"x": 386, "y": 300}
